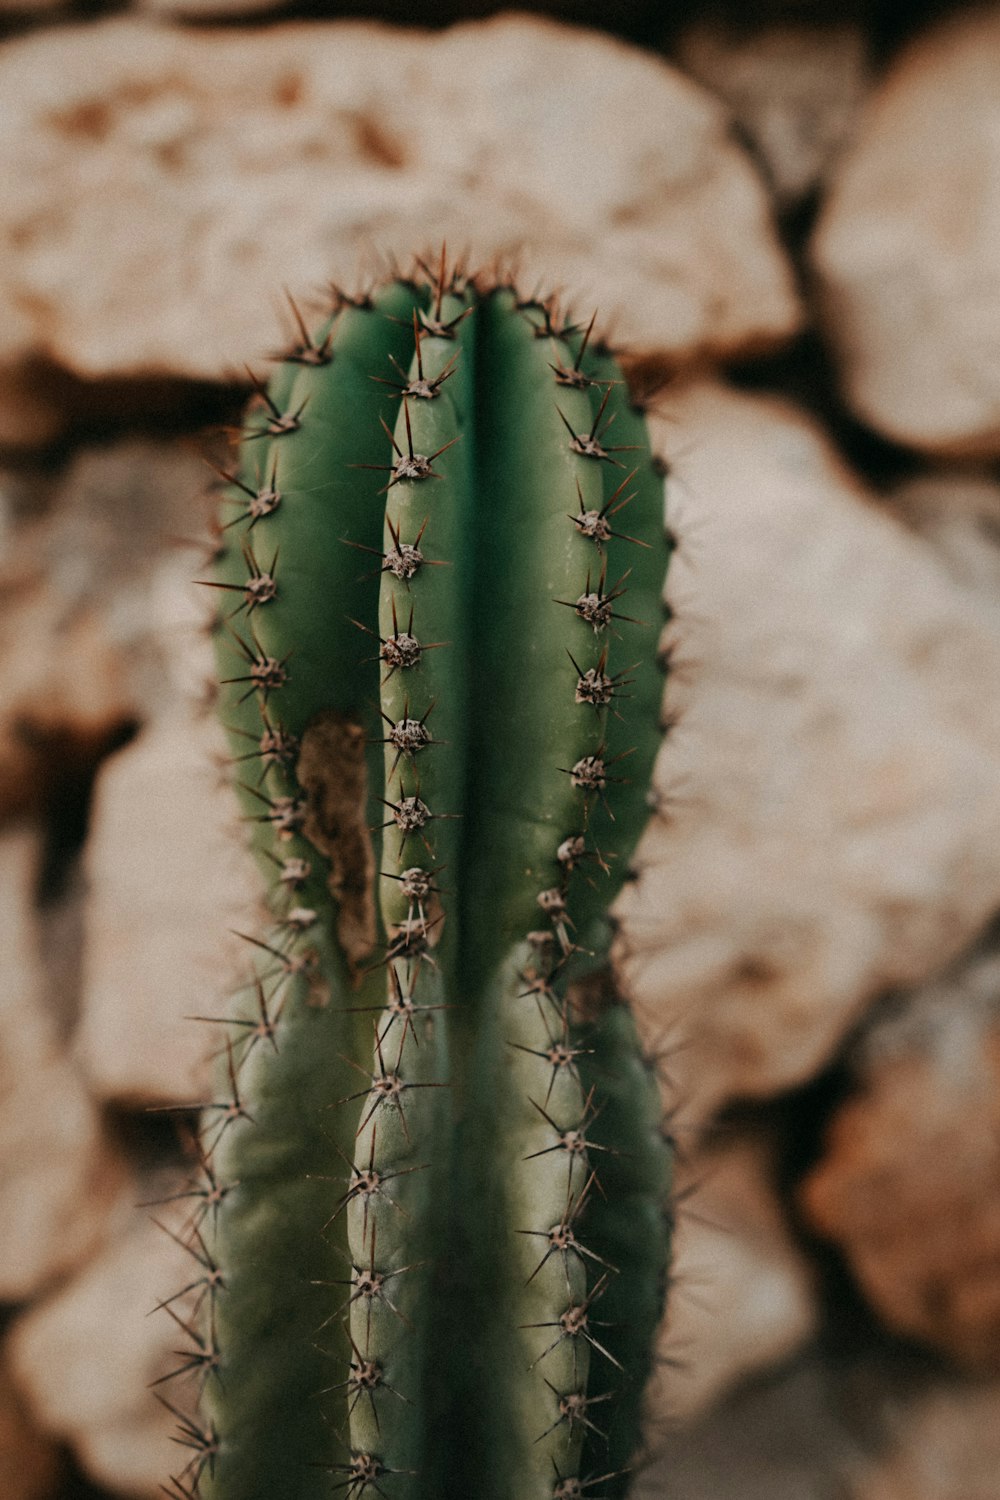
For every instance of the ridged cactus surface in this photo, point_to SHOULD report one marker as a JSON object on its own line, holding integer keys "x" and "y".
{"x": 432, "y": 1236}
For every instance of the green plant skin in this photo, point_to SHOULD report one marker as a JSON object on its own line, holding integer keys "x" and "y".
{"x": 434, "y": 1229}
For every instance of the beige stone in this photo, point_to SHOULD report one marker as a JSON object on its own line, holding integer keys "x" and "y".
{"x": 833, "y": 788}
{"x": 171, "y": 182}
{"x": 86, "y": 648}
{"x": 946, "y": 1446}
{"x": 907, "y": 1185}
{"x": 58, "y": 1176}
{"x": 741, "y": 1291}
{"x": 958, "y": 513}
{"x": 63, "y": 699}
{"x": 794, "y": 89}
{"x": 907, "y": 250}
{"x": 85, "y": 1359}
{"x": 168, "y": 881}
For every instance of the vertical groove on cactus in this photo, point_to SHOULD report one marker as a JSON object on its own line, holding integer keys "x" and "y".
{"x": 434, "y": 1232}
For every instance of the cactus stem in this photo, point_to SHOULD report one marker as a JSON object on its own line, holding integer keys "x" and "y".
{"x": 549, "y": 1119}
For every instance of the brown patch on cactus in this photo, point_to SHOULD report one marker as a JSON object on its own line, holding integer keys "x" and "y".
{"x": 332, "y": 771}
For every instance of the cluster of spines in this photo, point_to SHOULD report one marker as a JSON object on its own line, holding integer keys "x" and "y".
{"x": 544, "y": 966}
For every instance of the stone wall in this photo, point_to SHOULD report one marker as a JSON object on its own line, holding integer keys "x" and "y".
{"x": 790, "y": 214}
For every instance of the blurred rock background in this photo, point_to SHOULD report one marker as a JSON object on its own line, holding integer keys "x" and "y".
{"x": 792, "y": 210}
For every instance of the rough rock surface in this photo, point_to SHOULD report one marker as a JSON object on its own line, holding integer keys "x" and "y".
{"x": 168, "y": 882}
{"x": 58, "y": 1176}
{"x": 85, "y": 1358}
{"x": 245, "y": 161}
{"x": 85, "y": 647}
{"x": 742, "y": 1294}
{"x": 959, "y": 515}
{"x": 788, "y": 1435}
{"x": 836, "y": 770}
{"x": 63, "y": 700}
{"x": 947, "y": 1447}
{"x": 794, "y": 90}
{"x": 907, "y": 1186}
{"x": 908, "y": 245}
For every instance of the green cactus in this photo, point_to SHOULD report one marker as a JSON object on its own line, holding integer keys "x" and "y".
{"x": 432, "y": 1232}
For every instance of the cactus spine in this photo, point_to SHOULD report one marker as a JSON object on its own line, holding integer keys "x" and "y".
{"x": 432, "y": 1224}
